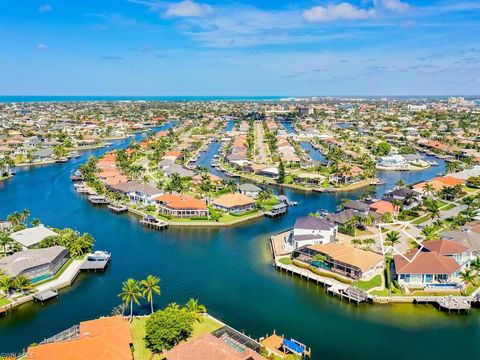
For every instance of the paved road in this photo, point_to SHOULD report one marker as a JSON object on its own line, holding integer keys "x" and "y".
{"x": 262, "y": 153}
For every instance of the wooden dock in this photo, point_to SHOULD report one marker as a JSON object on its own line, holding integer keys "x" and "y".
{"x": 45, "y": 295}
{"x": 117, "y": 208}
{"x": 98, "y": 200}
{"x": 277, "y": 210}
{"x": 154, "y": 223}
{"x": 449, "y": 303}
{"x": 94, "y": 265}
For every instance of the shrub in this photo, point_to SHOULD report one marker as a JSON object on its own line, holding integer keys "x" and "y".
{"x": 166, "y": 328}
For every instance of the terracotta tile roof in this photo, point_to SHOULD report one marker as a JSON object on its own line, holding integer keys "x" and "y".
{"x": 450, "y": 180}
{"x": 209, "y": 347}
{"x": 231, "y": 200}
{"x": 181, "y": 202}
{"x": 349, "y": 254}
{"x": 382, "y": 207}
{"x": 425, "y": 263}
{"x": 445, "y": 247}
{"x": 437, "y": 185}
{"x": 106, "y": 338}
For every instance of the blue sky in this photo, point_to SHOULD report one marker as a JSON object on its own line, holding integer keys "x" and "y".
{"x": 273, "y": 47}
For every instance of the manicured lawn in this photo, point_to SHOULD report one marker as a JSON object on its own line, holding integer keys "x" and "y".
{"x": 4, "y": 301}
{"x": 449, "y": 207}
{"x": 370, "y": 284}
{"x": 420, "y": 220}
{"x": 137, "y": 329}
{"x": 286, "y": 261}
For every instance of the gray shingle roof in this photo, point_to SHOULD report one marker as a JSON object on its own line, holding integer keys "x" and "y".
{"x": 313, "y": 223}
{"x": 15, "y": 264}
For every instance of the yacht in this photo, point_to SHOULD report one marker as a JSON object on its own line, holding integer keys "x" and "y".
{"x": 99, "y": 256}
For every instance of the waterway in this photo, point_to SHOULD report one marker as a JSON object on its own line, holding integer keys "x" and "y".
{"x": 314, "y": 154}
{"x": 229, "y": 270}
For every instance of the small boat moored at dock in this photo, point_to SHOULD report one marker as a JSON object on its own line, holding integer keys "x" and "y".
{"x": 98, "y": 200}
{"x": 153, "y": 222}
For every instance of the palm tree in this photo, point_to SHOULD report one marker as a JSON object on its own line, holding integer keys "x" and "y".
{"x": 429, "y": 232}
{"x": 393, "y": 237}
{"x": 130, "y": 293}
{"x": 428, "y": 189}
{"x": 25, "y": 214}
{"x": 150, "y": 286}
{"x": 196, "y": 309}
{"x": 7, "y": 284}
{"x": 35, "y": 222}
{"x": 469, "y": 201}
{"x": 475, "y": 264}
{"x": 22, "y": 283}
{"x": 4, "y": 241}
{"x": 433, "y": 209}
{"x": 400, "y": 183}
{"x": 174, "y": 306}
{"x": 15, "y": 218}
{"x": 467, "y": 276}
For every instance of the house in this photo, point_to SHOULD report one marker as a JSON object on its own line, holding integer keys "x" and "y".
{"x": 234, "y": 203}
{"x": 440, "y": 261}
{"x": 42, "y": 154}
{"x": 312, "y": 230}
{"x": 356, "y": 205}
{"x": 168, "y": 167}
{"x": 181, "y": 206}
{"x": 107, "y": 338}
{"x": 382, "y": 207}
{"x": 343, "y": 258}
{"x": 35, "y": 264}
{"x": 30, "y": 237}
{"x": 345, "y": 216}
{"x": 173, "y": 155}
{"x": 209, "y": 347}
{"x": 137, "y": 192}
{"x": 249, "y": 190}
{"x": 410, "y": 198}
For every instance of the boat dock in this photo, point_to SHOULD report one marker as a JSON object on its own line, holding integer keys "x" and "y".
{"x": 153, "y": 222}
{"x": 45, "y": 295}
{"x": 350, "y": 293}
{"x": 277, "y": 210}
{"x": 455, "y": 303}
{"x": 117, "y": 208}
{"x": 98, "y": 200}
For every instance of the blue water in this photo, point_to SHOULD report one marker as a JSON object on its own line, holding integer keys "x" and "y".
{"x": 288, "y": 125}
{"x": 230, "y": 125}
{"x": 37, "y": 98}
{"x": 229, "y": 270}
{"x": 314, "y": 154}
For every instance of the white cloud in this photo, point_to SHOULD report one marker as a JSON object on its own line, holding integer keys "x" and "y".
{"x": 393, "y": 5}
{"x": 42, "y": 47}
{"x": 342, "y": 11}
{"x": 45, "y": 8}
{"x": 188, "y": 8}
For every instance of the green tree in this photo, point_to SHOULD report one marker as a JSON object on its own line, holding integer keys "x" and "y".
{"x": 22, "y": 283}
{"x": 197, "y": 310}
{"x": 5, "y": 240}
{"x": 149, "y": 287}
{"x": 7, "y": 284}
{"x": 393, "y": 237}
{"x": 281, "y": 173}
{"x": 131, "y": 292}
{"x": 166, "y": 328}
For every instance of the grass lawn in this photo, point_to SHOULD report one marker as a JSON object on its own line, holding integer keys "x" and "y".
{"x": 420, "y": 220}
{"x": 449, "y": 207}
{"x": 137, "y": 328}
{"x": 4, "y": 301}
{"x": 286, "y": 261}
{"x": 441, "y": 203}
{"x": 363, "y": 232}
{"x": 367, "y": 285}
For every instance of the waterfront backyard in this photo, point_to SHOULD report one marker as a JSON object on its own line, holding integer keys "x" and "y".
{"x": 229, "y": 270}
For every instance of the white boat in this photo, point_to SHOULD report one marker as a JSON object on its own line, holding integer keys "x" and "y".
{"x": 99, "y": 256}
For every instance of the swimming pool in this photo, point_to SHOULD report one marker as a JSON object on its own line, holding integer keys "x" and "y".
{"x": 40, "y": 278}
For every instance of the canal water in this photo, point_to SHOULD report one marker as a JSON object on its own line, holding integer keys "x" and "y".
{"x": 229, "y": 270}
{"x": 314, "y": 154}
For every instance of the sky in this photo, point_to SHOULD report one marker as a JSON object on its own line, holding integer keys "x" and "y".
{"x": 271, "y": 47}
